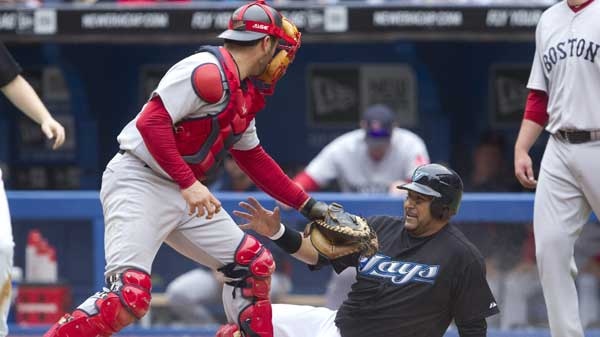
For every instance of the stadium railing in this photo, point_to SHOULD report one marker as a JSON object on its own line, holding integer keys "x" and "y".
{"x": 85, "y": 205}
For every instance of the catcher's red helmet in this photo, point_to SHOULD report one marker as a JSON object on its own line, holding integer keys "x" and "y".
{"x": 254, "y": 21}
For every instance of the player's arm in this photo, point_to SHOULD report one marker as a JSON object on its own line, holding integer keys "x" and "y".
{"x": 270, "y": 178}
{"x": 472, "y": 300}
{"x": 306, "y": 181}
{"x": 535, "y": 116}
{"x": 156, "y": 128}
{"x": 268, "y": 223}
{"x": 20, "y": 93}
{"x": 534, "y": 119}
{"x": 322, "y": 169}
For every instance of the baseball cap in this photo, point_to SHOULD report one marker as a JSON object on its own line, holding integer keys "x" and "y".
{"x": 252, "y": 22}
{"x": 379, "y": 123}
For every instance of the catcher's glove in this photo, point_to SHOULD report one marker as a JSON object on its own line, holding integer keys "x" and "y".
{"x": 340, "y": 233}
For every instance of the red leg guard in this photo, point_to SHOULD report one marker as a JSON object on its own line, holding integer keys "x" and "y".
{"x": 252, "y": 271}
{"x": 257, "y": 319}
{"x": 109, "y": 311}
{"x": 136, "y": 291}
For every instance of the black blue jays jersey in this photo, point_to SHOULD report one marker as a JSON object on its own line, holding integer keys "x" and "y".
{"x": 9, "y": 69}
{"x": 415, "y": 286}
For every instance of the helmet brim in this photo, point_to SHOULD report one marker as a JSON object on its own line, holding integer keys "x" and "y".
{"x": 420, "y": 188}
{"x": 237, "y": 35}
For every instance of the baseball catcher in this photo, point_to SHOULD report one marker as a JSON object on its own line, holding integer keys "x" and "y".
{"x": 340, "y": 233}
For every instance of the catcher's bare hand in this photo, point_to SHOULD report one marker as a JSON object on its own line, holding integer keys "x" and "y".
{"x": 524, "y": 169}
{"x": 53, "y": 130}
{"x": 200, "y": 201}
{"x": 260, "y": 219}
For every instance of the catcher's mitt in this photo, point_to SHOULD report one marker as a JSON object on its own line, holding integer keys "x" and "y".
{"x": 340, "y": 233}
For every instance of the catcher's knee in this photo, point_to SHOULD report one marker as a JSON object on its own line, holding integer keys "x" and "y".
{"x": 251, "y": 270}
{"x": 107, "y": 312}
{"x": 251, "y": 273}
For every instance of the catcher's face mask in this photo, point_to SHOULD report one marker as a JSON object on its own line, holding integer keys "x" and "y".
{"x": 289, "y": 43}
{"x": 257, "y": 20}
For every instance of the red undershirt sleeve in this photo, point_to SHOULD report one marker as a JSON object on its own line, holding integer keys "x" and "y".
{"x": 306, "y": 182}
{"x": 267, "y": 175}
{"x": 536, "y": 108}
{"x": 156, "y": 127}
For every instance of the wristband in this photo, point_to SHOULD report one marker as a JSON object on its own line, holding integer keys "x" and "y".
{"x": 290, "y": 241}
{"x": 279, "y": 232}
{"x": 307, "y": 207}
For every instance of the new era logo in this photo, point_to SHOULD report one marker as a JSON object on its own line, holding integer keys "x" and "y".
{"x": 493, "y": 305}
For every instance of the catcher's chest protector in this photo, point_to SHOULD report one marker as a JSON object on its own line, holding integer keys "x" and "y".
{"x": 203, "y": 142}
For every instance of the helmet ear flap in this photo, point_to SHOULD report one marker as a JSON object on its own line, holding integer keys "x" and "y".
{"x": 439, "y": 210}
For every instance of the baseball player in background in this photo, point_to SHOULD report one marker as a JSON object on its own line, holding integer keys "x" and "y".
{"x": 22, "y": 95}
{"x": 383, "y": 156}
{"x": 564, "y": 99}
{"x": 152, "y": 190}
{"x": 425, "y": 273}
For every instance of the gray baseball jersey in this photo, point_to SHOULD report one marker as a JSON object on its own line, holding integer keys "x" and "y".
{"x": 346, "y": 159}
{"x": 181, "y": 102}
{"x": 567, "y": 66}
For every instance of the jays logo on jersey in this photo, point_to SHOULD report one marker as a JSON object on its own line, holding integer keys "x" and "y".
{"x": 398, "y": 272}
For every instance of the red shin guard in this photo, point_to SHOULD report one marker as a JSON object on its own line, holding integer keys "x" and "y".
{"x": 255, "y": 264}
{"x": 109, "y": 311}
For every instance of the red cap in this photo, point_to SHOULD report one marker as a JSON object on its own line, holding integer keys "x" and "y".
{"x": 33, "y": 237}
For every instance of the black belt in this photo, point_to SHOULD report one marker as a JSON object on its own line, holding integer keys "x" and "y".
{"x": 578, "y": 136}
{"x": 121, "y": 151}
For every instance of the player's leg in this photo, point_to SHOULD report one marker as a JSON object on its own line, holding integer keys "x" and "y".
{"x": 125, "y": 299}
{"x": 281, "y": 285}
{"x": 190, "y": 306}
{"x": 136, "y": 224}
{"x": 590, "y": 184}
{"x": 246, "y": 293}
{"x": 6, "y": 260}
{"x": 246, "y": 264}
{"x": 587, "y": 284}
{"x": 560, "y": 211}
{"x": 303, "y": 320}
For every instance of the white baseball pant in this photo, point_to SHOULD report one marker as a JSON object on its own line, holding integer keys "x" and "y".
{"x": 302, "y": 320}
{"x": 188, "y": 300}
{"x": 142, "y": 210}
{"x": 568, "y": 190}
